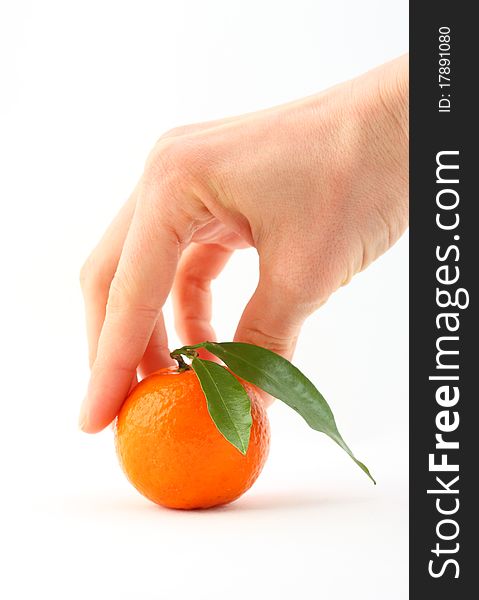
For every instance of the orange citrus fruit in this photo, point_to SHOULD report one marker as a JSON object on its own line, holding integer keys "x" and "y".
{"x": 171, "y": 450}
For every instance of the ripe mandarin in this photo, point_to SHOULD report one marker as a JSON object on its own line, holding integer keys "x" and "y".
{"x": 172, "y": 452}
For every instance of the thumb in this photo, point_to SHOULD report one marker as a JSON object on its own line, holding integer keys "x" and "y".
{"x": 272, "y": 318}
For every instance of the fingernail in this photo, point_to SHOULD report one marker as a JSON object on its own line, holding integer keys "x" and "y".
{"x": 83, "y": 418}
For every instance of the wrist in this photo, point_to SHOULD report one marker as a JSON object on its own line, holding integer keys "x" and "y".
{"x": 382, "y": 100}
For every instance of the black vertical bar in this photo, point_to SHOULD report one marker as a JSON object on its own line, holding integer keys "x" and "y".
{"x": 433, "y": 131}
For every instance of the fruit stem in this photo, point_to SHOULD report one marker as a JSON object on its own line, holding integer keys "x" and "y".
{"x": 189, "y": 352}
{"x": 182, "y": 366}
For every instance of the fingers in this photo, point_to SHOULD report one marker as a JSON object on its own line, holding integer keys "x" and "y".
{"x": 99, "y": 269}
{"x": 272, "y": 318}
{"x": 98, "y": 272}
{"x": 199, "y": 265}
{"x": 157, "y": 354}
{"x": 133, "y": 309}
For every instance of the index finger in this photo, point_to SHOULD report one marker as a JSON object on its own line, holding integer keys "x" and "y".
{"x": 138, "y": 291}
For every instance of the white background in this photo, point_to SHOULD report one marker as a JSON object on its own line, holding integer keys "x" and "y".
{"x": 86, "y": 89}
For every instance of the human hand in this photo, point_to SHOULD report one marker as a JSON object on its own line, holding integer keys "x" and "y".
{"x": 318, "y": 187}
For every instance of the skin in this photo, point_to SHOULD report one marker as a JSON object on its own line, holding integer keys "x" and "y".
{"x": 318, "y": 186}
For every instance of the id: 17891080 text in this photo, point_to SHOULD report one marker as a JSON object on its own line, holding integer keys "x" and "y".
{"x": 444, "y": 69}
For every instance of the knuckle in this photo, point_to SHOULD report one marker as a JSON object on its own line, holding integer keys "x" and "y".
{"x": 123, "y": 307}
{"x": 92, "y": 275}
{"x": 307, "y": 281}
{"x": 84, "y": 274}
{"x": 123, "y": 299}
{"x": 91, "y": 358}
{"x": 175, "y": 131}
{"x": 176, "y": 160}
{"x": 298, "y": 288}
{"x": 257, "y": 333}
{"x": 177, "y": 174}
{"x": 195, "y": 283}
{"x": 103, "y": 368}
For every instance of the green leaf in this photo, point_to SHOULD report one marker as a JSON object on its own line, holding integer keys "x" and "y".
{"x": 228, "y": 403}
{"x": 277, "y": 376}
